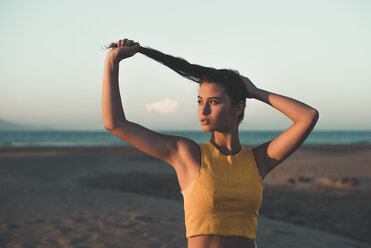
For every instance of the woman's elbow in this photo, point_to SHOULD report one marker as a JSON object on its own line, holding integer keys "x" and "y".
{"x": 108, "y": 126}
{"x": 310, "y": 118}
{"x": 111, "y": 126}
{"x": 314, "y": 116}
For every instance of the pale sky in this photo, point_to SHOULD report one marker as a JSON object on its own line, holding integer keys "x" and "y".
{"x": 317, "y": 51}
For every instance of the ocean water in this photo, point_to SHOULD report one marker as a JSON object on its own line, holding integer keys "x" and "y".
{"x": 105, "y": 138}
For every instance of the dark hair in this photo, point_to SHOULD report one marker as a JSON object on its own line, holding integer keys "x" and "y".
{"x": 229, "y": 79}
{"x": 232, "y": 83}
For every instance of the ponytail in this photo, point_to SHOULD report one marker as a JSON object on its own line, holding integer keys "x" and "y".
{"x": 229, "y": 79}
{"x": 193, "y": 72}
{"x": 179, "y": 65}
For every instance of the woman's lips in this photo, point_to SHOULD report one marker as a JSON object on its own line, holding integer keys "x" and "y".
{"x": 205, "y": 121}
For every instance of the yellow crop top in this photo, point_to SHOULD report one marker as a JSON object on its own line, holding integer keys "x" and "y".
{"x": 225, "y": 196}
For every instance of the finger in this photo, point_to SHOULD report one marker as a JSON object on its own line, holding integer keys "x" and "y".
{"x": 126, "y": 42}
{"x": 122, "y": 43}
{"x": 119, "y": 43}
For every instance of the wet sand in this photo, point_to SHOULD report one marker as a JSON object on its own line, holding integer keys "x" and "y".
{"x": 120, "y": 197}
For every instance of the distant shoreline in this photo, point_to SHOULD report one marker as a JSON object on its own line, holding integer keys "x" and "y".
{"x": 105, "y": 138}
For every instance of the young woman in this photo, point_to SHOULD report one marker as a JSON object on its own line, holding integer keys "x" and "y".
{"x": 221, "y": 181}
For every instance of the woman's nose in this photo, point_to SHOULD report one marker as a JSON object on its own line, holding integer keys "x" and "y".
{"x": 206, "y": 109}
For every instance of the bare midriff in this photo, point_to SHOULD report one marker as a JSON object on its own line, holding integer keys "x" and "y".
{"x": 218, "y": 241}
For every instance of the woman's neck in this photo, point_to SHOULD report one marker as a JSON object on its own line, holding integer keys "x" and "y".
{"x": 228, "y": 143}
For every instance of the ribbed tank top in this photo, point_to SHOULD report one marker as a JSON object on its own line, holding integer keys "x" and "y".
{"x": 225, "y": 196}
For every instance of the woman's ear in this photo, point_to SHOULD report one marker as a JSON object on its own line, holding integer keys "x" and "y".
{"x": 240, "y": 107}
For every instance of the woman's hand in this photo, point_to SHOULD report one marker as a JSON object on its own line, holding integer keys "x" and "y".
{"x": 123, "y": 49}
{"x": 250, "y": 87}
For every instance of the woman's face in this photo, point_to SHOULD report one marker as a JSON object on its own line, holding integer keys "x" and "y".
{"x": 215, "y": 109}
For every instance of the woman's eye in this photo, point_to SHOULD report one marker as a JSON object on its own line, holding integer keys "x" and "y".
{"x": 210, "y": 102}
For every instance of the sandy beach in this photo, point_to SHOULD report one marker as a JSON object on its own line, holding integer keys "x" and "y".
{"x": 120, "y": 197}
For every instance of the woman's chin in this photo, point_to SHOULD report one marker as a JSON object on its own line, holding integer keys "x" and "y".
{"x": 206, "y": 128}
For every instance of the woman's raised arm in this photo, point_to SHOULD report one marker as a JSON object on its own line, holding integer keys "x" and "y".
{"x": 165, "y": 147}
{"x": 113, "y": 113}
{"x": 270, "y": 154}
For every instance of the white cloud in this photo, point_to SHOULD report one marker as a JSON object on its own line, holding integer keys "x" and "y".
{"x": 164, "y": 107}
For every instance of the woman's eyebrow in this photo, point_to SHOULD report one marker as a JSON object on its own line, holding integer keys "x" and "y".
{"x": 213, "y": 97}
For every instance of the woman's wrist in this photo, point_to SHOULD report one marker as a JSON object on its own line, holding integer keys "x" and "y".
{"x": 260, "y": 94}
{"x": 111, "y": 57}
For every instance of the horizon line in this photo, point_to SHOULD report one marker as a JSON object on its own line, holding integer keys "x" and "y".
{"x": 176, "y": 130}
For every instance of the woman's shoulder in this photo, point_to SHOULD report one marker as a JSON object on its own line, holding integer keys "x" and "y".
{"x": 188, "y": 151}
{"x": 188, "y": 146}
